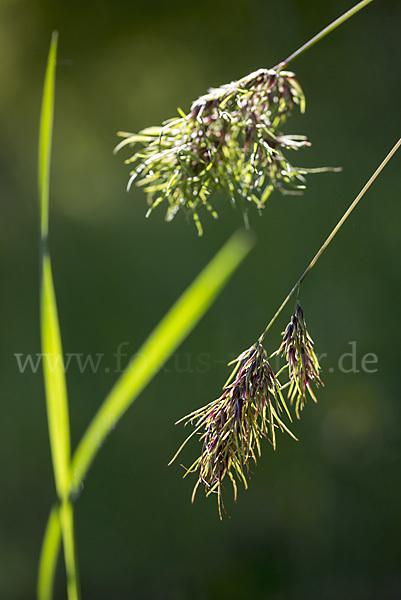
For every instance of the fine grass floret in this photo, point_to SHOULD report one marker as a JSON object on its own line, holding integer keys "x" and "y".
{"x": 303, "y": 364}
{"x": 252, "y": 407}
{"x": 233, "y": 426}
{"x": 231, "y": 140}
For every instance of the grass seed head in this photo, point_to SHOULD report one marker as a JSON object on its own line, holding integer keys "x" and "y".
{"x": 303, "y": 365}
{"x": 233, "y": 426}
{"x": 230, "y": 140}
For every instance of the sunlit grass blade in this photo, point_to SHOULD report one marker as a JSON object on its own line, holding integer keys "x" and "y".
{"x": 58, "y": 418}
{"x": 67, "y": 528}
{"x": 45, "y": 135}
{"x": 53, "y": 367}
{"x": 49, "y": 556}
{"x": 159, "y": 346}
{"x": 53, "y": 364}
{"x": 55, "y": 385}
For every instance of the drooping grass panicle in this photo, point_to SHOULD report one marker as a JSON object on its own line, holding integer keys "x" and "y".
{"x": 303, "y": 364}
{"x": 231, "y": 140}
{"x": 244, "y": 406}
{"x": 232, "y": 427}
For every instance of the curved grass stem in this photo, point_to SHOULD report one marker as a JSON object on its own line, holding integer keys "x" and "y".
{"x": 333, "y": 234}
{"x": 347, "y": 15}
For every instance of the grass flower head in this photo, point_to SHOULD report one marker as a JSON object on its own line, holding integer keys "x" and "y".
{"x": 232, "y": 426}
{"x": 230, "y": 140}
{"x": 303, "y": 365}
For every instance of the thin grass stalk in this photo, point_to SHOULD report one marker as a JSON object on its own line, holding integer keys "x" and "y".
{"x": 333, "y": 234}
{"x": 252, "y": 401}
{"x": 347, "y": 15}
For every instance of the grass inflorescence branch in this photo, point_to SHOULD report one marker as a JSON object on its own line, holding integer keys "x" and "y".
{"x": 230, "y": 140}
{"x": 253, "y": 404}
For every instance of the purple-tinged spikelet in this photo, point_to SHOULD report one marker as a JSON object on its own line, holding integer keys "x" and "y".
{"x": 232, "y": 426}
{"x": 303, "y": 365}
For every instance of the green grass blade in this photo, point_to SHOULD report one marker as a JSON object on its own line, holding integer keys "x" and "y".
{"x": 67, "y": 529}
{"x": 53, "y": 366}
{"x": 159, "y": 346}
{"x": 49, "y": 555}
{"x": 55, "y": 385}
{"x": 45, "y": 135}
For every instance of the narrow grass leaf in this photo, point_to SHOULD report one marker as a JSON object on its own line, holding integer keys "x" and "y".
{"x": 53, "y": 366}
{"x": 55, "y": 385}
{"x": 67, "y": 527}
{"x": 159, "y": 346}
{"x": 45, "y": 135}
{"x": 60, "y": 520}
{"x": 49, "y": 555}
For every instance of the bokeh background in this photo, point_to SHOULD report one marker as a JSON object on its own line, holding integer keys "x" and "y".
{"x": 321, "y": 518}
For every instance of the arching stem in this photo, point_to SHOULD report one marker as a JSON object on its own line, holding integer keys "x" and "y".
{"x": 322, "y": 34}
{"x": 333, "y": 233}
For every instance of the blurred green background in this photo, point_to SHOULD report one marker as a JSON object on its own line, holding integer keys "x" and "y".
{"x": 321, "y": 518}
